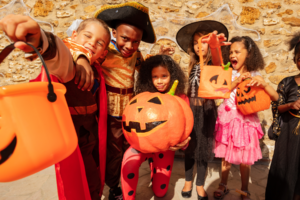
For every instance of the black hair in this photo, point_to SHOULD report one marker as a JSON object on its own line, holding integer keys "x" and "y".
{"x": 294, "y": 44}
{"x": 144, "y": 80}
{"x": 254, "y": 60}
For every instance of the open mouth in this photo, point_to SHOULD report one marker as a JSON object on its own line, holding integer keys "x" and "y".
{"x": 136, "y": 126}
{"x": 224, "y": 90}
{"x": 6, "y": 153}
{"x": 247, "y": 100}
{"x": 234, "y": 62}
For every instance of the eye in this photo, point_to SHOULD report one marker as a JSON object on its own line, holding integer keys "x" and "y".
{"x": 214, "y": 78}
{"x": 134, "y": 101}
{"x": 155, "y": 100}
{"x": 225, "y": 82}
{"x": 237, "y": 93}
{"x": 87, "y": 36}
{"x": 248, "y": 90}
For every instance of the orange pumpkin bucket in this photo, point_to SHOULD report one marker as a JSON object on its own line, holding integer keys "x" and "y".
{"x": 36, "y": 129}
{"x": 215, "y": 81}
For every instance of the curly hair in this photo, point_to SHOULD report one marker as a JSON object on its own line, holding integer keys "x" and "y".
{"x": 194, "y": 58}
{"x": 144, "y": 80}
{"x": 254, "y": 60}
{"x": 294, "y": 44}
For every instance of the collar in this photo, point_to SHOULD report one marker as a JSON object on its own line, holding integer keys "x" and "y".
{"x": 115, "y": 45}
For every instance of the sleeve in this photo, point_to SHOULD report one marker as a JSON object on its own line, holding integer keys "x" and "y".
{"x": 57, "y": 57}
{"x": 77, "y": 50}
{"x": 139, "y": 61}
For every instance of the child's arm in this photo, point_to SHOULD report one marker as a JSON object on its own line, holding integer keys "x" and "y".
{"x": 239, "y": 80}
{"x": 258, "y": 81}
{"x": 181, "y": 145}
{"x": 166, "y": 50}
{"x": 286, "y": 107}
{"x": 84, "y": 74}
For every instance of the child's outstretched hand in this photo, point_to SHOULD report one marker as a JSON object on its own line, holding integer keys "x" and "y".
{"x": 214, "y": 40}
{"x": 257, "y": 81}
{"x": 21, "y": 28}
{"x": 237, "y": 81}
{"x": 166, "y": 50}
{"x": 180, "y": 145}
{"x": 84, "y": 74}
{"x": 295, "y": 105}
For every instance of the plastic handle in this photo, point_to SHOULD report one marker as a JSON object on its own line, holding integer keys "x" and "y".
{"x": 201, "y": 55}
{"x": 8, "y": 49}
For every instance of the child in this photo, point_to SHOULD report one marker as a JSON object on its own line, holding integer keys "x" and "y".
{"x": 122, "y": 60}
{"x": 284, "y": 174}
{"x": 157, "y": 74}
{"x": 204, "y": 110}
{"x": 237, "y": 135}
{"x": 90, "y": 40}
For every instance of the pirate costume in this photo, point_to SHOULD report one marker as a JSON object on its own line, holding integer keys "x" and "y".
{"x": 119, "y": 78}
{"x": 200, "y": 148}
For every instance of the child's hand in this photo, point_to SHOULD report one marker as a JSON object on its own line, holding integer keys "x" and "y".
{"x": 166, "y": 50}
{"x": 180, "y": 145}
{"x": 243, "y": 77}
{"x": 21, "y": 28}
{"x": 295, "y": 105}
{"x": 84, "y": 74}
{"x": 215, "y": 40}
{"x": 258, "y": 81}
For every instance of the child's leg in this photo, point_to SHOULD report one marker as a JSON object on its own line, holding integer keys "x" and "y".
{"x": 225, "y": 167}
{"x": 132, "y": 161}
{"x": 245, "y": 174}
{"x": 189, "y": 168}
{"x": 162, "y": 169}
{"x": 201, "y": 172}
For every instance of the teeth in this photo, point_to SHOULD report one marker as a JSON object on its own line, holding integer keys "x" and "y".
{"x": 143, "y": 126}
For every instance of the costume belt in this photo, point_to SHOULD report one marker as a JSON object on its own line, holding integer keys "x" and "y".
{"x": 296, "y": 130}
{"x": 83, "y": 110}
{"x": 119, "y": 90}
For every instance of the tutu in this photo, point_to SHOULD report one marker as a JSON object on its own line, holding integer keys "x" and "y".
{"x": 237, "y": 135}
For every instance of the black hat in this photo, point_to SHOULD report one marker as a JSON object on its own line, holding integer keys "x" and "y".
{"x": 185, "y": 34}
{"x": 132, "y": 13}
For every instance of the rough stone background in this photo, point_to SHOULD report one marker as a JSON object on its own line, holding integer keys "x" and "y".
{"x": 275, "y": 20}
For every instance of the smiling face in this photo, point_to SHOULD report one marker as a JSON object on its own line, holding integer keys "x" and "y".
{"x": 128, "y": 39}
{"x": 238, "y": 56}
{"x": 94, "y": 38}
{"x": 161, "y": 78}
{"x": 196, "y": 47}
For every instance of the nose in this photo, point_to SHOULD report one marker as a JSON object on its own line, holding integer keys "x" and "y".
{"x": 139, "y": 109}
{"x": 128, "y": 45}
{"x": 159, "y": 80}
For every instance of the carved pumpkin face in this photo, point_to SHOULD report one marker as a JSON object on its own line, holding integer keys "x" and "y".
{"x": 153, "y": 122}
{"x": 215, "y": 82}
{"x": 251, "y": 99}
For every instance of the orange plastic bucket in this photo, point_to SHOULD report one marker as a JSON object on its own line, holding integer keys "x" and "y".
{"x": 36, "y": 128}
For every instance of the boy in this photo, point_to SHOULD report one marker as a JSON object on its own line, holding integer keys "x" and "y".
{"x": 89, "y": 42}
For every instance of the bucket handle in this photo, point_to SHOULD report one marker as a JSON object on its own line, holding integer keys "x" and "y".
{"x": 51, "y": 96}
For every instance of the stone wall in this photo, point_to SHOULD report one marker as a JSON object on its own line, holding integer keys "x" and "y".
{"x": 275, "y": 21}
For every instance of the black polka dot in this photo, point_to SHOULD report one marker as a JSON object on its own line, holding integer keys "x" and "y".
{"x": 131, "y": 192}
{"x": 169, "y": 167}
{"x": 150, "y": 160}
{"x": 130, "y": 176}
{"x": 154, "y": 171}
{"x": 161, "y": 155}
{"x": 134, "y": 151}
{"x": 163, "y": 186}
{"x": 146, "y": 158}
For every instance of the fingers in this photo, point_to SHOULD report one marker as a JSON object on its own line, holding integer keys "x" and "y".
{"x": 82, "y": 79}
{"x": 92, "y": 82}
{"x": 87, "y": 81}
{"x": 77, "y": 74}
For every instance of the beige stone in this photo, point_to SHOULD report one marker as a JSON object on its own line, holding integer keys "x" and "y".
{"x": 269, "y": 5}
{"x": 271, "y": 68}
{"x": 167, "y": 9}
{"x": 62, "y": 35}
{"x": 271, "y": 21}
{"x": 84, "y": 17}
{"x": 272, "y": 42}
{"x": 67, "y": 24}
{"x": 268, "y": 13}
{"x": 42, "y": 10}
{"x": 293, "y": 21}
{"x": 288, "y": 12}
{"x": 74, "y": 6}
{"x": 54, "y": 23}
{"x": 201, "y": 14}
{"x": 292, "y": 1}
{"x": 161, "y": 31}
{"x": 193, "y": 5}
{"x": 63, "y": 14}
{"x": 245, "y": 1}
{"x": 261, "y": 30}
{"x": 90, "y": 9}
{"x": 177, "y": 4}
{"x": 276, "y": 78}
{"x": 281, "y": 31}
{"x": 86, "y": 1}
{"x": 61, "y": 6}
{"x": 249, "y": 15}
{"x": 293, "y": 68}
{"x": 177, "y": 58}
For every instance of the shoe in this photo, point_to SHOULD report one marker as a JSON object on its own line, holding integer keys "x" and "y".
{"x": 115, "y": 194}
{"x": 246, "y": 197}
{"x": 221, "y": 192}
{"x": 187, "y": 194}
{"x": 202, "y": 198}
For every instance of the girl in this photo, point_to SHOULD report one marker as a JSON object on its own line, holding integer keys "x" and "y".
{"x": 284, "y": 174}
{"x": 237, "y": 135}
{"x": 157, "y": 74}
{"x": 204, "y": 110}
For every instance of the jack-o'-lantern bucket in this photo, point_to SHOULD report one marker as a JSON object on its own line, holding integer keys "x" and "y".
{"x": 36, "y": 129}
{"x": 215, "y": 81}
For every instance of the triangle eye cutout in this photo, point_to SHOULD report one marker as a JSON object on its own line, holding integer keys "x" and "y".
{"x": 134, "y": 101}
{"x": 225, "y": 82}
{"x": 155, "y": 100}
{"x": 214, "y": 78}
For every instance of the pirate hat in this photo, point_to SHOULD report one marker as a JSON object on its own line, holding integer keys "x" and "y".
{"x": 185, "y": 34}
{"x": 132, "y": 13}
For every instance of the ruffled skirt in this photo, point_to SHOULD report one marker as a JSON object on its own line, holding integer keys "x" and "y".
{"x": 237, "y": 136}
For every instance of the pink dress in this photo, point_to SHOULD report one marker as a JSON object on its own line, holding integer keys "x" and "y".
{"x": 237, "y": 135}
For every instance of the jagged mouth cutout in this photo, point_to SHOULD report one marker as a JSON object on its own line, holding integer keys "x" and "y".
{"x": 8, "y": 151}
{"x": 136, "y": 126}
{"x": 242, "y": 95}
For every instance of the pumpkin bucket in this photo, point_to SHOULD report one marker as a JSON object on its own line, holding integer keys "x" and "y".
{"x": 215, "y": 81}
{"x": 36, "y": 129}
